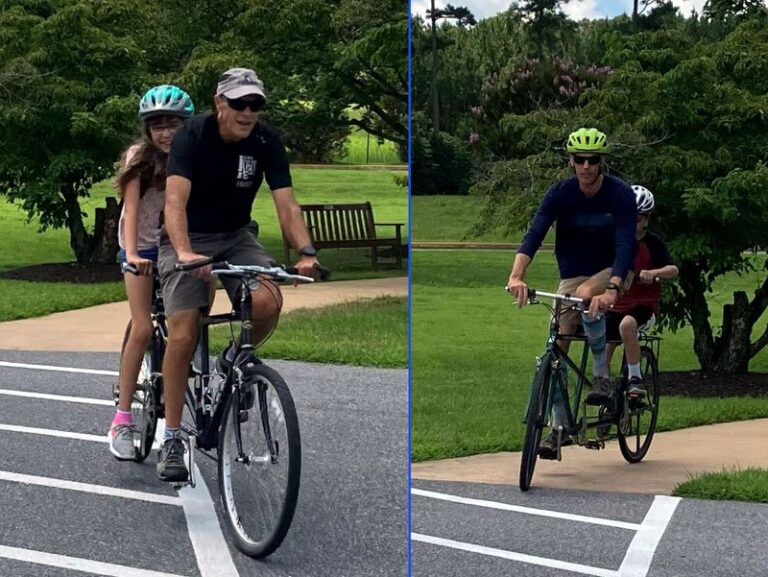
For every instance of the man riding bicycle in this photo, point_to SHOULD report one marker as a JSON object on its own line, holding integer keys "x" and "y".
{"x": 216, "y": 166}
{"x": 594, "y": 247}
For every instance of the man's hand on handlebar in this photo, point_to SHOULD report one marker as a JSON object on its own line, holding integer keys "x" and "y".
{"x": 517, "y": 288}
{"x": 203, "y": 272}
{"x": 602, "y": 302}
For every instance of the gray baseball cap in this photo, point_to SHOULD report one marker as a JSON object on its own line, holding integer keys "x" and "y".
{"x": 239, "y": 82}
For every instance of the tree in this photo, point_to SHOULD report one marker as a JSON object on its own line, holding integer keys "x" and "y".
{"x": 65, "y": 113}
{"x": 687, "y": 120}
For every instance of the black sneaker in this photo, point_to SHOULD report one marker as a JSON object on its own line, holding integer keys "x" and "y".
{"x": 636, "y": 387}
{"x": 602, "y": 389}
{"x": 170, "y": 461}
{"x": 548, "y": 446}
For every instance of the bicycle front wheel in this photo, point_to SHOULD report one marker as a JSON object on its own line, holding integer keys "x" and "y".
{"x": 259, "y": 461}
{"x": 535, "y": 421}
{"x": 637, "y": 423}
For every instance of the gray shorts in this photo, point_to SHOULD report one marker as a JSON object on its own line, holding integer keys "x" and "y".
{"x": 182, "y": 291}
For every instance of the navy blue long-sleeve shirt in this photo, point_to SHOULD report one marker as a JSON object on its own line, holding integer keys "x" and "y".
{"x": 591, "y": 234}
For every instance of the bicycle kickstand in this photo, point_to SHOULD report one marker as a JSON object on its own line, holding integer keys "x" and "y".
{"x": 560, "y": 443}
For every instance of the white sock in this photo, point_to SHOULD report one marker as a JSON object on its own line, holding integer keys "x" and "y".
{"x": 634, "y": 370}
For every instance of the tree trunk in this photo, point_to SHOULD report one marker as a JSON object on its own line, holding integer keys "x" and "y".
{"x": 104, "y": 241}
{"x": 101, "y": 246}
{"x": 732, "y": 346}
{"x": 79, "y": 239}
{"x": 696, "y": 305}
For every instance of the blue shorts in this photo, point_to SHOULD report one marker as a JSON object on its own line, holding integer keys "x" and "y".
{"x": 149, "y": 254}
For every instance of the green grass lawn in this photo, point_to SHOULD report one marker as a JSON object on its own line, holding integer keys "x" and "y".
{"x": 738, "y": 485}
{"x": 362, "y": 148}
{"x": 24, "y": 245}
{"x": 473, "y": 355}
{"x": 365, "y": 333}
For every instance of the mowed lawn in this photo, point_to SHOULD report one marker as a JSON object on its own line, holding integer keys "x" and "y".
{"x": 24, "y": 245}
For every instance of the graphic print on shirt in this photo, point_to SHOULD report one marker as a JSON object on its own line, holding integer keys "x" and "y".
{"x": 246, "y": 170}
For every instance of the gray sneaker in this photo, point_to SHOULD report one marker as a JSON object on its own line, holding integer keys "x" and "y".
{"x": 121, "y": 442}
{"x": 170, "y": 461}
{"x": 602, "y": 390}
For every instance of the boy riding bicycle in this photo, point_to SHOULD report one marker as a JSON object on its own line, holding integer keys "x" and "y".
{"x": 637, "y": 309}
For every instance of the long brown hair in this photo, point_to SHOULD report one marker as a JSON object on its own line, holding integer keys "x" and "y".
{"x": 148, "y": 164}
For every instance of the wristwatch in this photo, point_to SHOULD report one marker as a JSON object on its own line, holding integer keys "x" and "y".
{"x": 612, "y": 286}
{"x": 308, "y": 250}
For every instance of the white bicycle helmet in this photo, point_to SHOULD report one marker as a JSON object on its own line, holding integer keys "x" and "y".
{"x": 644, "y": 199}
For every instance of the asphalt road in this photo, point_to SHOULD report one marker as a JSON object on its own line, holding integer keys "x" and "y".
{"x": 492, "y": 530}
{"x": 351, "y": 518}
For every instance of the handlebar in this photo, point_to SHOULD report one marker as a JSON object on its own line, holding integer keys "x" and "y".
{"x": 279, "y": 273}
{"x": 533, "y": 293}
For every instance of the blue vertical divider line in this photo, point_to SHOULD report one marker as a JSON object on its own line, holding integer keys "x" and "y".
{"x": 410, "y": 300}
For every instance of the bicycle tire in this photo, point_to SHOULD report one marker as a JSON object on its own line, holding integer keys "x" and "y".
{"x": 258, "y": 527}
{"x": 535, "y": 420}
{"x": 635, "y": 441}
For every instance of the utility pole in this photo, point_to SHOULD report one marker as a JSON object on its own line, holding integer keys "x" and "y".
{"x": 435, "y": 93}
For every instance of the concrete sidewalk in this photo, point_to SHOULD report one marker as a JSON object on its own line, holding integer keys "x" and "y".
{"x": 100, "y": 328}
{"x": 672, "y": 459}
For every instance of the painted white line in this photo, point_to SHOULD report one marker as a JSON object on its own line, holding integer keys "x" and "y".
{"x": 77, "y": 564}
{"x": 63, "y": 398}
{"x": 637, "y": 561}
{"x": 62, "y": 434}
{"x": 211, "y": 550}
{"x": 54, "y": 433}
{"x": 56, "y": 368}
{"x": 89, "y": 488}
{"x": 527, "y": 510}
{"x": 512, "y": 556}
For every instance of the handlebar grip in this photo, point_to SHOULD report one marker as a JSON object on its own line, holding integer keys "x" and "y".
{"x": 324, "y": 273}
{"x": 187, "y": 266}
{"x": 128, "y": 267}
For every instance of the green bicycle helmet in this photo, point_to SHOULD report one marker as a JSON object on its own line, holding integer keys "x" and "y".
{"x": 165, "y": 100}
{"x": 587, "y": 140}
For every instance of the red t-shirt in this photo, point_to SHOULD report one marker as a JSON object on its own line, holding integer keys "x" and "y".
{"x": 651, "y": 253}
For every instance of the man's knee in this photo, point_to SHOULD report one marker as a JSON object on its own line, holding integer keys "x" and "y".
{"x": 182, "y": 330}
{"x": 266, "y": 301}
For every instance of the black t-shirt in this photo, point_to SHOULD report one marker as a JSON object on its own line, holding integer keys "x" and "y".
{"x": 225, "y": 176}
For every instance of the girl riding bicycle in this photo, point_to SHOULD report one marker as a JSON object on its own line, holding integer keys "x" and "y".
{"x": 141, "y": 183}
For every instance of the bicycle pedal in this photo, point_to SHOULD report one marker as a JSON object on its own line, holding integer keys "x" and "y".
{"x": 242, "y": 416}
{"x": 594, "y": 444}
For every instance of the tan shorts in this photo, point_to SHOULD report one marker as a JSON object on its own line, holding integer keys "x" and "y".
{"x": 182, "y": 291}
{"x": 568, "y": 286}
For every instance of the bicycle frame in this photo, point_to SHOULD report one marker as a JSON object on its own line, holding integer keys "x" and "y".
{"x": 573, "y": 420}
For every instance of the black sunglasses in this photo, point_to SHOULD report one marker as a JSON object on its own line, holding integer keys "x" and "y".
{"x": 240, "y": 104}
{"x": 590, "y": 160}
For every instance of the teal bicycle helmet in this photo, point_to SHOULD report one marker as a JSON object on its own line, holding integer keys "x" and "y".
{"x": 165, "y": 100}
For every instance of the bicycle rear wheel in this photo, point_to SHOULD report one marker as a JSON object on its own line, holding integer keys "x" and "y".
{"x": 259, "y": 461}
{"x": 637, "y": 423}
{"x": 535, "y": 421}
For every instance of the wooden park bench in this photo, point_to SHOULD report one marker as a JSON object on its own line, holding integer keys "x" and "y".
{"x": 347, "y": 226}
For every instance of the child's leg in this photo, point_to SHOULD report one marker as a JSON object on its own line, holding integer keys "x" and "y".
{"x": 628, "y": 331}
{"x": 139, "y": 291}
